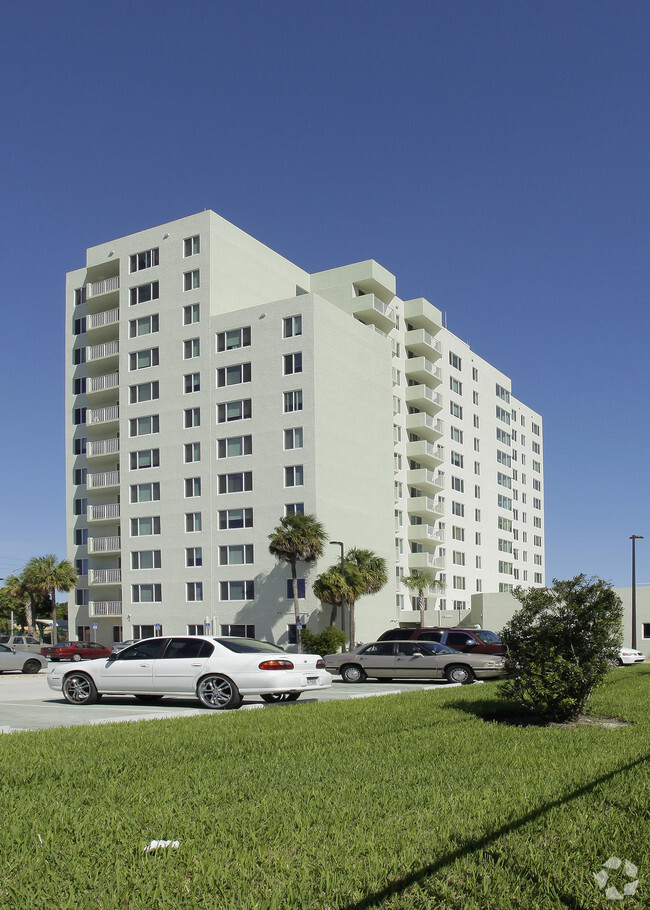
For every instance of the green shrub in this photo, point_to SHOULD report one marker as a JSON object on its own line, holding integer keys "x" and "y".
{"x": 329, "y": 641}
{"x": 560, "y": 646}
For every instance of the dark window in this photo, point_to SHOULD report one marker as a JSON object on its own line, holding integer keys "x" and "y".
{"x": 143, "y": 650}
{"x": 187, "y": 648}
{"x": 381, "y": 649}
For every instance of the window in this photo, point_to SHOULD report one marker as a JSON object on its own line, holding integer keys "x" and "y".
{"x": 503, "y": 437}
{"x": 535, "y": 428}
{"x": 236, "y": 555}
{"x": 458, "y": 484}
{"x": 143, "y": 293}
{"x": 504, "y": 524}
{"x": 537, "y": 503}
{"x": 79, "y": 326}
{"x": 81, "y": 537}
{"x": 458, "y": 558}
{"x": 140, "y": 360}
{"x": 457, "y": 533}
{"x": 457, "y": 508}
{"x": 191, "y": 280}
{"x": 79, "y": 445}
{"x": 233, "y": 375}
{"x": 144, "y": 426}
{"x": 455, "y": 361}
{"x": 191, "y": 246}
{"x": 238, "y": 630}
{"x": 505, "y": 567}
{"x": 503, "y": 394}
{"x": 293, "y": 476}
{"x": 537, "y": 466}
{"x": 474, "y": 397}
{"x": 292, "y": 401}
{"x": 191, "y": 452}
{"x": 457, "y": 435}
{"x": 538, "y": 578}
{"x": 144, "y": 391}
{"x": 234, "y": 338}
{"x": 79, "y": 416}
{"x": 504, "y": 458}
{"x": 455, "y": 410}
{"x": 292, "y": 363}
{"x": 145, "y": 492}
{"x": 192, "y": 521}
{"x": 147, "y": 458}
{"x": 191, "y": 417}
{"x": 294, "y": 508}
{"x": 192, "y": 487}
{"x": 234, "y": 410}
{"x": 293, "y": 438}
{"x": 145, "y": 527}
{"x": 503, "y": 415}
{"x": 191, "y": 348}
{"x": 537, "y": 449}
{"x": 477, "y": 467}
{"x": 194, "y": 590}
{"x": 145, "y": 559}
{"x": 143, "y": 594}
{"x": 191, "y": 383}
{"x": 505, "y": 546}
{"x": 196, "y": 629}
{"x": 504, "y": 502}
{"x": 146, "y": 325}
{"x": 79, "y": 355}
{"x": 79, "y": 296}
{"x": 235, "y": 518}
{"x": 301, "y": 588}
{"x": 240, "y": 482}
{"x": 236, "y": 590}
{"x": 193, "y": 557}
{"x": 291, "y": 325}
{"x": 459, "y": 582}
{"x": 191, "y": 313}
{"x": 504, "y": 480}
{"x": 232, "y": 446}
{"x": 146, "y": 260}
{"x": 455, "y": 385}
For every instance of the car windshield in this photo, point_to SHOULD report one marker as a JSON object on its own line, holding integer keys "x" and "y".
{"x": 247, "y": 645}
{"x": 4, "y": 639}
{"x": 489, "y": 638}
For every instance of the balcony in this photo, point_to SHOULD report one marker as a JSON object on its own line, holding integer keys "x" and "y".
{"x": 426, "y": 536}
{"x": 423, "y": 315}
{"x": 104, "y": 576}
{"x": 98, "y": 448}
{"x": 426, "y": 507}
{"x": 104, "y": 325}
{"x": 422, "y": 397}
{"x": 103, "y": 480}
{"x": 372, "y": 311}
{"x": 425, "y": 453}
{"x": 422, "y": 344}
{"x": 421, "y": 369}
{"x": 428, "y": 482}
{"x": 102, "y": 351}
{"x": 110, "y": 511}
{"x": 104, "y": 608}
{"x": 105, "y": 383}
{"x": 426, "y": 561}
{"x": 429, "y": 428}
{"x": 106, "y": 286}
{"x": 107, "y": 415}
{"x": 104, "y": 544}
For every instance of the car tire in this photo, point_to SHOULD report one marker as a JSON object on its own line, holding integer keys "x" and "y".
{"x": 459, "y": 673}
{"x": 619, "y": 662}
{"x": 76, "y": 657}
{"x": 353, "y": 673}
{"x": 31, "y": 666}
{"x": 273, "y": 697}
{"x": 149, "y": 699}
{"x": 218, "y": 692}
{"x": 79, "y": 689}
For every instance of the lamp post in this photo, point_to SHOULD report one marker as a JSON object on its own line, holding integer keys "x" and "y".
{"x": 339, "y": 543}
{"x": 634, "y": 539}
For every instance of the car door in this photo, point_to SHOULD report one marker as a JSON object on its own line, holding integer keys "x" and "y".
{"x": 378, "y": 659}
{"x": 461, "y": 641}
{"x": 131, "y": 671}
{"x": 417, "y": 661}
{"x": 9, "y": 660}
{"x": 178, "y": 668}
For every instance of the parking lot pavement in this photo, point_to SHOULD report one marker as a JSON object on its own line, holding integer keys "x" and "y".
{"x": 28, "y": 703}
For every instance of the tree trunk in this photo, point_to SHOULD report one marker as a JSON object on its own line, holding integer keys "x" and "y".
{"x": 421, "y": 607}
{"x": 29, "y": 616}
{"x": 296, "y": 608}
{"x": 352, "y": 629}
{"x": 54, "y": 634}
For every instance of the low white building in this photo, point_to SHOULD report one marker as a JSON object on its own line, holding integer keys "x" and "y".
{"x": 213, "y": 386}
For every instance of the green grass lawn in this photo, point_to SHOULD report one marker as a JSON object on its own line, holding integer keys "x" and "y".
{"x": 407, "y": 801}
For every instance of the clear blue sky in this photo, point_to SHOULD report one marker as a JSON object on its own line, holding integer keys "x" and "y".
{"x": 493, "y": 155}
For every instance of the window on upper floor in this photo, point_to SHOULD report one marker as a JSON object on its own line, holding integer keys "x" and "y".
{"x": 191, "y": 452}
{"x": 291, "y": 325}
{"x": 140, "y": 360}
{"x": 233, "y": 375}
{"x": 191, "y": 313}
{"x": 233, "y": 339}
{"x": 232, "y": 446}
{"x": 191, "y": 246}
{"x": 235, "y": 518}
{"x": 455, "y": 361}
{"x": 236, "y": 555}
{"x": 145, "y": 458}
{"x": 239, "y": 482}
{"x": 144, "y": 391}
{"x": 193, "y": 522}
{"x": 293, "y": 438}
{"x": 191, "y": 417}
{"x": 292, "y": 363}
{"x": 292, "y": 401}
{"x": 143, "y": 293}
{"x": 146, "y": 559}
{"x": 145, "y": 492}
{"x": 191, "y": 348}
{"x": 191, "y": 280}
{"x": 144, "y": 260}
{"x": 144, "y": 426}
{"x": 145, "y": 527}
{"x": 145, "y": 325}
{"x": 193, "y": 557}
{"x": 191, "y": 383}
{"x": 234, "y": 410}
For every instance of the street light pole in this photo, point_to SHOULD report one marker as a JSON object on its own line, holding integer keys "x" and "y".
{"x": 339, "y": 543}
{"x": 634, "y": 539}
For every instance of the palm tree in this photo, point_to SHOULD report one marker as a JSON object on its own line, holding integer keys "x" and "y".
{"x": 19, "y": 600}
{"x": 372, "y": 574}
{"x": 298, "y": 538}
{"x": 43, "y": 576}
{"x": 421, "y": 581}
{"x": 330, "y": 588}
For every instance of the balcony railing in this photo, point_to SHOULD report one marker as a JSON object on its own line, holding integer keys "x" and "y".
{"x": 420, "y": 342}
{"x": 107, "y": 349}
{"x": 106, "y": 317}
{"x": 97, "y": 447}
{"x": 102, "y": 383}
{"x": 103, "y": 287}
{"x": 103, "y": 479}
{"x": 104, "y": 544}
{"x": 106, "y": 512}
{"x": 104, "y": 576}
{"x": 105, "y": 608}
{"x": 103, "y": 415}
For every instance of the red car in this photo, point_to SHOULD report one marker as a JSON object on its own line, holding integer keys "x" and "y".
{"x": 75, "y": 650}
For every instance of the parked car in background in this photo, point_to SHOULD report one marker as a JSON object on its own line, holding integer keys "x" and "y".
{"x": 413, "y": 660}
{"x": 627, "y": 656}
{"x": 217, "y": 671}
{"x": 121, "y": 645}
{"x": 21, "y": 643}
{"x": 469, "y": 641}
{"x": 11, "y": 659}
{"x": 75, "y": 650}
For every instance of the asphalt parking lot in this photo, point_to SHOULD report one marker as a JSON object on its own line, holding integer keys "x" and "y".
{"x": 27, "y": 703}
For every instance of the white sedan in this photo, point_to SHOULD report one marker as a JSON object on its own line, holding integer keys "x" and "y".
{"x": 217, "y": 671}
{"x": 10, "y": 659}
{"x": 627, "y": 656}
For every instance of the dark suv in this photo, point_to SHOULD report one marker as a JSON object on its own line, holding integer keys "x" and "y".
{"x": 474, "y": 641}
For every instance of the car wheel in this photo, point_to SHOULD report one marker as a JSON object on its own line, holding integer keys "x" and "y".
{"x": 351, "y": 673}
{"x": 272, "y": 697}
{"x": 76, "y": 657}
{"x": 457, "y": 673}
{"x": 216, "y": 691}
{"x": 619, "y": 662}
{"x": 149, "y": 699}
{"x": 79, "y": 689}
{"x": 31, "y": 666}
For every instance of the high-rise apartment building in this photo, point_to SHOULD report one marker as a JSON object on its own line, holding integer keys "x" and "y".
{"x": 213, "y": 386}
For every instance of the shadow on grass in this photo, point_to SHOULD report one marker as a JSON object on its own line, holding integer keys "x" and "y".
{"x": 499, "y": 712}
{"x": 480, "y": 843}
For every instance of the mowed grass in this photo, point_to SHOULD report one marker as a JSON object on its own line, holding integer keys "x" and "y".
{"x": 422, "y": 800}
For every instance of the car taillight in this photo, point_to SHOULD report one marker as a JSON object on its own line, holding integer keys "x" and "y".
{"x": 276, "y": 665}
{"x": 320, "y": 664}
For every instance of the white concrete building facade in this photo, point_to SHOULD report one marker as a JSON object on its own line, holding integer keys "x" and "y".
{"x": 213, "y": 386}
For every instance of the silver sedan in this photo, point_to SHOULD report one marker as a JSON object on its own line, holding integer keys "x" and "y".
{"x": 10, "y": 659}
{"x": 413, "y": 660}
